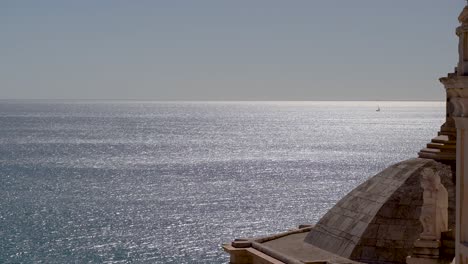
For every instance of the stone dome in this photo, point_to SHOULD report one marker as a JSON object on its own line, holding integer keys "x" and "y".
{"x": 379, "y": 220}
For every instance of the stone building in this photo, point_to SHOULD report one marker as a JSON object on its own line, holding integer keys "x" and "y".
{"x": 380, "y": 220}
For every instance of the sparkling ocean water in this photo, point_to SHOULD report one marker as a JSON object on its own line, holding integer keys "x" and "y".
{"x": 153, "y": 182}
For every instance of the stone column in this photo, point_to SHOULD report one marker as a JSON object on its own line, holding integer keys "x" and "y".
{"x": 461, "y": 240}
{"x": 456, "y": 85}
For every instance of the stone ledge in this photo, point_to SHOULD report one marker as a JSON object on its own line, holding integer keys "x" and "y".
{"x": 248, "y": 256}
{"x": 287, "y": 247}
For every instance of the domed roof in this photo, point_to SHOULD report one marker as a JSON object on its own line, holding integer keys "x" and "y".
{"x": 379, "y": 220}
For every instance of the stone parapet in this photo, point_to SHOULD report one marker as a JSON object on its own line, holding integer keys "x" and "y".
{"x": 287, "y": 247}
{"x": 251, "y": 250}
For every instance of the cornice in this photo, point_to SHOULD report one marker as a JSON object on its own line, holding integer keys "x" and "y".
{"x": 462, "y": 29}
{"x": 455, "y": 82}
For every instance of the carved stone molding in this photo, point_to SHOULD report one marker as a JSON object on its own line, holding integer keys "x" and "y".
{"x": 458, "y": 107}
{"x": 455, "y": 82}
{"x": 462, "y": 29}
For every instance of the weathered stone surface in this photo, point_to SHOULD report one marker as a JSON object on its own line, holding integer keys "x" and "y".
{"x": 434, "y": 214}
{"x": 427, "y": 243}
{"x": 414, "y": 260}
{"x": 426, "y": 252}
{"x": 379, "y": 220}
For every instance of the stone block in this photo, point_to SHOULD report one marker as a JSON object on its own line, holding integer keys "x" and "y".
{"x": 371, "y": 231}
{"x": 448, "y": 243}
{"x": 404, "y": 211}
{"x": 331, "y": 219}
{"x": 238, "y": 256}
{"x": 345, "y": 223}
{"x": 413, "y": 230}
{"x": 387, "y": 243}
{"x": 241, "y": 244}
{"x": 369, "y": 242}
{"x": 359, "y": 228}
{"x": 371, "y": 208}
{"x": 356, "y": 253}
{"x": 368, "y": 253}
{"x": 397, "y": 221}
{"x": 349, "y": 213}
{"x": 349, "y": 250}
{"x": 342, "y": 251}
{"x": 395, "y": 232}
{"x": 421, "y": 243}
{"x": 386, "y": 254}
{"x": 426, "y": 252}
{"x": 402, "y": 253}
{"x": 347, "y": 236}
{"x": 333, "y": 231}
{"x": 365, "y": 218}
{"x": 447, "y": 251}
{"x": 382, "y": 232}
{"x": 416, "y": 260}
{"x": 356, "y": 239}
{"x": 371, "y": 197}
{"x": 384, "y": 243}
{"x": 417, "y": 202}
{"x": 387, "y": 210}
{"x": 402, "y": 166}
{"x": 409, "y": 244}
{"x": 448, "y": 235}
{"x": 416, "y": 212}
{"x": 406, "y": 200}
{"x": 398, "y": 244}
{"x": 382, "y": 199}
{"x": 326, "y": 218}
{"x": 341, "y": 248}
{"x": 381, "y": 220}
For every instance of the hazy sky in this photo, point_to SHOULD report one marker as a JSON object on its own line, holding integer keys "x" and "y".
{"x": 227, "y": 50}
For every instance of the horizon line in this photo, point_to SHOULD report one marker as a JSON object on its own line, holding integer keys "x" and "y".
{"x": 213, "y": 100}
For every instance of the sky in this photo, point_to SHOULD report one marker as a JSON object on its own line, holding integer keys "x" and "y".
{"x": 227, "y": 50}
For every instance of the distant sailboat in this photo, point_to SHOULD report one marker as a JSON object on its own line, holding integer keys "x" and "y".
{"x": 378, "y": 109}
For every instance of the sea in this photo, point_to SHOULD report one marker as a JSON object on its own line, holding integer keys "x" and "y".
{"x": 170, "y": 182}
